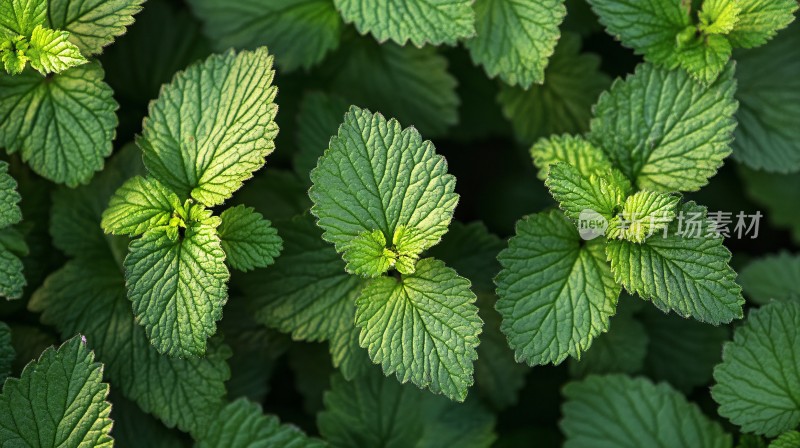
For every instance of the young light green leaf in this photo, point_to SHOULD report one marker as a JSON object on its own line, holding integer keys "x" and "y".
{"x": 92, "y": 24}
{"x": 423, "y": 327}
{"x": 284, "y": 26}
{"x": 643, "y": 215}
{"x": 771, "y": 278}
{"x": 616, "y": 410}
{"x": 10, "y": 212}
{"x": 767, "y": 137}
{"x": 572, "y": 150}
{"x": 139, "y": 205}
{"x": 249, "y": 240}
{"x": 718, "y": 16}
{"x": 759, "y": 378}
{"x": 7, "y": 353}
{"x": 318, "y": 119}
{"x": 577, "y": 193}
{"x": 14, "y": 60}
{"x": 420, "y": 21}
{"x": 410, "y": 84}
{"x": 704, "y": 57}
{"x": 789, "y": 439}
{"x": 242, "y": 424}
{"x": 51, "y": 52}
{"x": 212, "y": 126}
{"x": 686, "y": 271}
{"x": 665, "y": 131}
{"x": 63, "y": 126}
{"x": 516, "y": 39}
{"x": 375, "y": 411}
{"x": 20, "y": 17}
{"x": 377, "y": 176}
{"x": 556, "y": 294}
{"x": 368, "y": 256}
{"x": 759, "y": 20}
{"x": 621, "y": 350}
{"x": 307, "y": 292}
{"x": 178, "y": 285}
{"x": 89, "y": 294}
{"x": 563, "y": 104}
{"x": 58, "y": 401}
{"x": 649, "y": 27}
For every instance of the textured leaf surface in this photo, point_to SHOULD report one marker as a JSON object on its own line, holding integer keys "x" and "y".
{"x": 575, "y": 151}
{"x": 12, "y": 280}
{"x": 556, "y": 295}
{"x": 21, "y": 16}
{"x": 378, "y": 176}
{"x": 515, "y": 39}
{"x": 687, "y": 274}
{"x": 759, "y": 20}
{"x": 89, "y": 295}
{"x": 423, "y": 327}
{"x": 758, "y": 381}
{"x": 249, "y": 240}
{"x": 212, "y": 126}
{"x": 178, "y": 285}
{"x": 10, "y": 212}
{"x": 665, "y": 131}
{"x": 773, "y": 277}
{"x": 576, "y": 193}
{"x": 298, "y": 32}
{"x": 51, "y": 52}
{"x": 619, "y": 411}
{"x": 318, "y": 119}
{"x": 62, "y": 126}
{"x": 789, "y": 439}
{"x": 241, "y": 424}
{"x": 138, "y": 205}
{"x": 410, "y": 84}
{"x": 643, "y": 215}
{"x": 767, "y": 137}
{"x": 58, "y": 401}
{"x": 563, "y": 103}
{"x": 420, "y": 21}
{"x": 377, "y": 411}
{"x": 7, "y": 353}
{"x": 92, "y": 24}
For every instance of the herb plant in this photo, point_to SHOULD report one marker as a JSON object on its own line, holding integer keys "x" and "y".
{"x": 467, "y": 208}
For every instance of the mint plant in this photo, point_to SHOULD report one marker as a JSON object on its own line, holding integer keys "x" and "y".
{"x": 636, "y": 285}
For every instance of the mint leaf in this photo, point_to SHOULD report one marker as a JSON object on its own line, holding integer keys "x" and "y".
{"x": 575, "y": 151}
{"x": 283, "y": 26}
{"x": 515, "y": 39}
{"x": 138, "y": 205}
{"x": 705, "y": 57}
{"x": 576, "y": 194}
{"x": 617, "y": 410}
{"x": 759, "y": 20}
{"x": 51, "y": 52}
{"x": 377, "y": 176}
{"x": 14, "y": 60}
{"x": 563, "y": 104}
{"x": 12, "y": 281}
{"x": 665, "y": 131}
{"x": 769, "y": 104}
{"x": 556, "y": 294}
{"x": 789, "y": 439}
{"x": 20, "y": 17}
{"x": 688, "y": 274}
{"x": 249, "y": 240}
{"x": 10, "y": 212}
{"x": 92, "y": 24}
{"x": 7, "y": 353}
{"x": 62, "y": 126}
{"x": 205, "y": 145}
{"x": 319, "y": 117}
{"x": 308, "y": 293}
{"x": 423, "y": 327}
{"x": 771, "y": 278}
{"x": 718, "y": 16}
{"x": 242, "y": 424}
{"x": 89, "y": 294}
{"x": 621, "y": 350}
{"x": 58, "y": 401}
{"x": 178, "y": 285}
{"x": 420, "y": 21}
{"x": 377, "y": 411}
{"x": 759, "y": 378}
{"x": 410, "y": 84}
{"x": 643, "y": 215}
